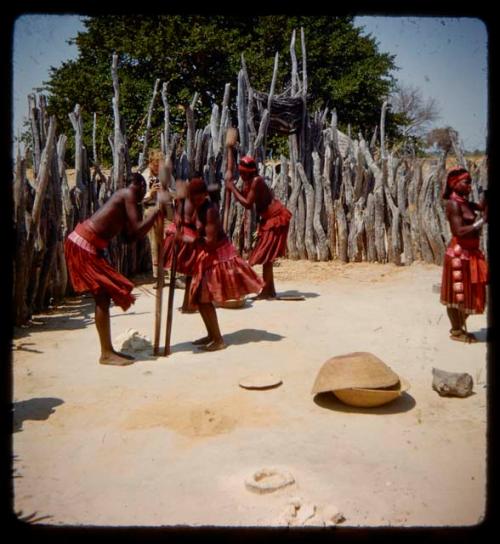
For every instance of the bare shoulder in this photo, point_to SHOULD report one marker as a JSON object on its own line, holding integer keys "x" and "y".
{"x": 452, "y": 207}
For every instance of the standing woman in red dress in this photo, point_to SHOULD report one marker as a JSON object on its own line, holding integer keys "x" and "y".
{"x": 274, "y": 218}
{"x": 465, "y": 272}
{"x": 220, "y": 274}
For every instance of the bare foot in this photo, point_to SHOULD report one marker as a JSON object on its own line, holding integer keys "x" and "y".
{"x": 463, "y": 336}
{"x": 126, "y": 355}
{"x": 116, "y": 359}
{"x": 213, "y": 346}
{"x": 187, "y": 310}
{"x": 202, "y": 341}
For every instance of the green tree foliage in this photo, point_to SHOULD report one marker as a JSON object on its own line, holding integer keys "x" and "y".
{"x": 198, "y": 53}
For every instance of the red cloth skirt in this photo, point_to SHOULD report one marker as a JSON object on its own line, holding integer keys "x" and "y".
{"x": 186, "y": 253}
{"x": 90, "y": 271}
{"x": 271, "y": 234}
{"x": 474, "y": 276}
{"x": 221, "y": 274}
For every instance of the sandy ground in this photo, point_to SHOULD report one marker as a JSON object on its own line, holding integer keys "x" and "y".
{"x": 170, "y": 441}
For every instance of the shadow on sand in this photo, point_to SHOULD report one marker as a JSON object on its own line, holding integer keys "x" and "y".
{"x": 295, "y": 293}
{"x": 73, "y": 313}
{"x": 404, "y": 403}
{"x": 243, "y": 336}
{"x": 483, "y": 335}
{"x": 36, "y": 409}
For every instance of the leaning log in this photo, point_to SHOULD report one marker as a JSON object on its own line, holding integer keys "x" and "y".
{"x": 312, "y": 254}
{"x": 321, "y": 242}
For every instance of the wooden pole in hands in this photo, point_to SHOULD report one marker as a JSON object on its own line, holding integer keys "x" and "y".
{"x": 165, "y": 174}
{"x": 231, "y": 139}
{"x": 173, "y": 270}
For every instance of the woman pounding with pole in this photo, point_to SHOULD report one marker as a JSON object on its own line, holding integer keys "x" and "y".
{"x": 274, "y": 219}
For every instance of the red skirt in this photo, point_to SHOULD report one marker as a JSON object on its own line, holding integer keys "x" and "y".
{"x": 271, "y": 235}
{"x": 221, "y": 274}
{"x": 474, "y": 277}
{"x": 186, "y": 253}
{"x": 88, "y": 269}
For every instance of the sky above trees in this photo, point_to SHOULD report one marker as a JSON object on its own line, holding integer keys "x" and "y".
{"x": 432, "y": 53}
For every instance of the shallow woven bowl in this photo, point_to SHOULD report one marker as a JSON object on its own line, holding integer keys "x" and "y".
{"x": 359, "y": 369}
{"x": 232, "y": 304}
{"x": 369, "y": 398}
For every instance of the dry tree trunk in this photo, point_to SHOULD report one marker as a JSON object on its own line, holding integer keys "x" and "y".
{"x": 425, "y": 245}
{"x": 303, "y": 136}
{"x": 369, "y": 223}
{"x": 300, "y": 225}
{"x": 378, "y": 192}
{"x": 281, "y": 190}
{"x": 355, "y": 240}
{"x": 36, "y": 246}
{"x": 22, "y": 260}
{"x": 328, "y": 200}
{"x": 269, "y": 106}
{"x": 224, "y": 123}
{"x": 309, "y": 214}
{"x": 242, "y": 108}
{"x": 403, "y": 182}
{"x": 321, "y": 241}
{"x": 394, "y": 221}
{"x": 394, "y": 245}
{"x": 81, "y": 191}
{"x": 36, "y": 148}
{"x": 118, "y": 140}
{"x": 166, "y": 121}
{"x": 143, "y": 156}
{"x": 214, "y": 130}
{"x": 292, "y": 203}
{"x": 118, "y": 250}
{"x": 191, "y": 134}
{"x": 413, "y": 209}
{"x": 341, "y": 222}
{"x": 382, "y": 129}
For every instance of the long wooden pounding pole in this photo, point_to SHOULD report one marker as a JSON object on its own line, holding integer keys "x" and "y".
{"x": 165, "y": 174}
{"x": 173, "y": 271}
{"x": 231, "y": 138}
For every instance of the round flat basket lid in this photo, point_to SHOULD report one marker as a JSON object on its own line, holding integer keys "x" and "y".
{"x": 369, "y": 398}
{"x": 260, "y": 381}
{"x": 357, "y": 369}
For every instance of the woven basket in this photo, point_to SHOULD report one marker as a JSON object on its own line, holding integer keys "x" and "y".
{"x": 357, "y": 369}
{"x": 369, "y": 398}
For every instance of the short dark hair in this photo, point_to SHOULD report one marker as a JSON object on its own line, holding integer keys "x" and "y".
{"x": 136, "y": 178}
{"x": 197, "y": 187}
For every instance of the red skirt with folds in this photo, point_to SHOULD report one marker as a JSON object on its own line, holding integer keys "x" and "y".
{"x": 88, "y": 269}
{"x": 221, "y": 274}
{"x": 474, "y": 276}
{"x": 271, "y": 235}
{"x": 186, "y": 253}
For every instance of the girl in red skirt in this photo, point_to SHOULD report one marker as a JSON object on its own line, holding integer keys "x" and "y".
{"x": 465, "y": 272}
{"x": 185, "y": 216}
{"x": 220, "y": 273}
{"x": 274, "y": 218}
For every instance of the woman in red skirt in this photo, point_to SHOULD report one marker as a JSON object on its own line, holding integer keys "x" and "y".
{"x": 274, "y": 218}
{"x": 185, "y": 217}
{"x": 88, "y": 268}
{"x": 465, "y": 272}
{"x": 220, "y": 273}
